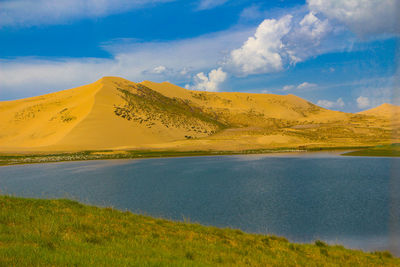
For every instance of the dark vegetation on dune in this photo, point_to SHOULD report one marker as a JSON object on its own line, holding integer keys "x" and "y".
{"x": 147, "y": 107}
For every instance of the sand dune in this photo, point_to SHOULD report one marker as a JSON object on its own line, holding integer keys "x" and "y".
{"x": 388, "y": 112}
{"x": 114, "y": 113}
{"x": 384, "y": 110}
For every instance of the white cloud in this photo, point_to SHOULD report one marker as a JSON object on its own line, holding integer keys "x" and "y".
{"x": 363, "y": 102}
{"x": 159, "y": 69}
{"x": 288, "y": 87}
{"x": 261, "y": 53}
{"x": 278, "y": 43}
{"x": 306, "y": 85}
{"x": 208, "y": 83}
{"x": 313, "y": 27}
{"x": 301, "y": 86}
{"x": 309, "y": 37}
{"x": 364, "y": 17}
{"x": 209, "y": 4}
{"x": 331, "y": 104}
{"x": 37, "y": 12}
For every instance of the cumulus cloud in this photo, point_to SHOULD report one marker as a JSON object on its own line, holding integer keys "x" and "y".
{"x": 208, "y": 82}
{"x": 37, "y": 12}
{"x": 309, "y": 37}
{"x": 280, "y": 42}
{"x": 209, "y": 4}
{"x": 261, "y": 53}
{"x": 313, "y": 27}
{"x": 364, "y": 17}
{"x": 331, "y": 104}
{"x": 363, "y": 102}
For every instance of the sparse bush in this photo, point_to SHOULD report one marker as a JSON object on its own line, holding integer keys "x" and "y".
{"x": 189, "y": 255}
{"x": 383, "y": 254}
{"x": 324, "y": 252}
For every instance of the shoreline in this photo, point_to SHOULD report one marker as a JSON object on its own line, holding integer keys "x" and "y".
{"x": 19, "y": 158}
{"x": 9, "y": 159}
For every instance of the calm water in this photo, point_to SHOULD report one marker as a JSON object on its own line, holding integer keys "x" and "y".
{"x": 352, "y": 201}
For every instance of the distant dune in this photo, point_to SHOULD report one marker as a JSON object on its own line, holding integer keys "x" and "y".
{"x": 388, "y": 111}
{"x": 114, "y": 113}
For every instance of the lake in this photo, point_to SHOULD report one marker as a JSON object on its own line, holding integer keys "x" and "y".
{"x": 353, "y": 201}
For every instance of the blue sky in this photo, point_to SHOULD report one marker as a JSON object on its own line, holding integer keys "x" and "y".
{"x": 340, "y": 54}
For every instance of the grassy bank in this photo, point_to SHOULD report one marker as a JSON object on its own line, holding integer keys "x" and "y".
{"x": 65, "y": 233}
{"x": 392, "y": 150}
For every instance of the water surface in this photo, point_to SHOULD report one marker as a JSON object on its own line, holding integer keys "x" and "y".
{"x": 305, "y": 196}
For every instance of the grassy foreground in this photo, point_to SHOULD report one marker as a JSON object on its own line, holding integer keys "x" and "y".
{"x": 35, "y": 232}
{"x": 392, "y": 150}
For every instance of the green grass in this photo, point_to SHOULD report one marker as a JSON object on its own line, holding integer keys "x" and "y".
{"x": 392, "y": 150}
{"x": 35, "y": 232}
